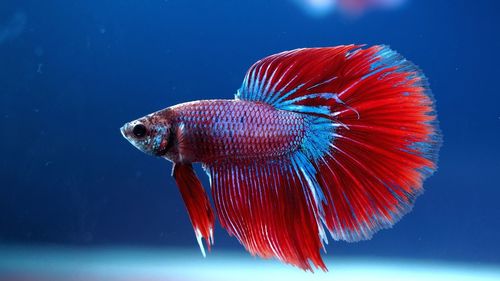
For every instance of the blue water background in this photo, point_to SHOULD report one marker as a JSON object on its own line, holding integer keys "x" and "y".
{"x": 72, "y": 72}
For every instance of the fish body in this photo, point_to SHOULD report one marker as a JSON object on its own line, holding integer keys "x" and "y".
{"x": 212, "y": 130}
{"x": 331, "y": 140}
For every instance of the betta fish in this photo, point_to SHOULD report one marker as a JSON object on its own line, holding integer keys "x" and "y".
{"x": 331, "y": 140}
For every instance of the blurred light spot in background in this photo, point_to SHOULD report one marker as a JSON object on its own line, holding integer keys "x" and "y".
{"x": 317, "y": 8}
{"x": 321, "y": 8}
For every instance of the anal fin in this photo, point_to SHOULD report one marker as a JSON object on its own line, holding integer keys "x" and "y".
{"x": 268, "y": 206}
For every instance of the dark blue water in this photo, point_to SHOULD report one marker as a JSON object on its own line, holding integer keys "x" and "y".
{"x": 72, "y": 72}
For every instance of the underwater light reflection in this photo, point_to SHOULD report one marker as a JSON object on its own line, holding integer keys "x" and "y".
{"x": 122, "y": 264}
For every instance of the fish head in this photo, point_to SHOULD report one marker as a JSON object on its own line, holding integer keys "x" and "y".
{"x": 150, "y": 134}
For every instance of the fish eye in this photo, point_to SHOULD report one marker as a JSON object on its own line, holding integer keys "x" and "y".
{"x": 139, "y": 130}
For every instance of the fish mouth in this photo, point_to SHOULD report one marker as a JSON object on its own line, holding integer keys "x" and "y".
{"x": 123, "y": 131}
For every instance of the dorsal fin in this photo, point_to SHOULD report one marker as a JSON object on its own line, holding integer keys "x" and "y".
{"x": 302, "y": 80}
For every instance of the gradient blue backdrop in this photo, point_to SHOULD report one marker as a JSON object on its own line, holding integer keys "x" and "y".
{"x": 75, "y": 71}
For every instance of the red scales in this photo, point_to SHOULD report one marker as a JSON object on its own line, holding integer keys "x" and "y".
{"x": 236, "y": 130}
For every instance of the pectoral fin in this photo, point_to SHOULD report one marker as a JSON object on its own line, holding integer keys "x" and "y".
{"x": 197, "y": 203}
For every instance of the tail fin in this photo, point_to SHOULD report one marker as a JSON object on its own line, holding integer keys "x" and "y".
{"x": 371, "y": 141}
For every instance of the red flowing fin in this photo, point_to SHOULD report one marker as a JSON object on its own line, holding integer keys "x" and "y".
{"x": 296, "y": 77}
{"x": 388, "y": 144}
{"x": 268, "y": 208}
{"x": 373, "y": 136}
{"x": 197, "y": 203}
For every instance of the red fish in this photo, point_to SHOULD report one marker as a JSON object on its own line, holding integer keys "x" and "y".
{"x": 317, "y": 140}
